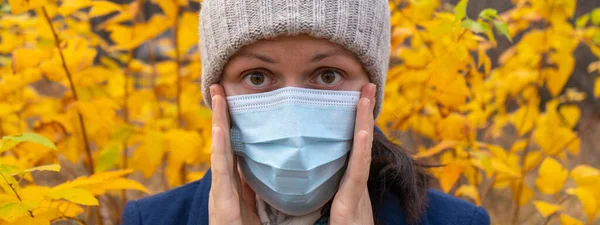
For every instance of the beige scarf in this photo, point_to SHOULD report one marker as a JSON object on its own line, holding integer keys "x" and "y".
{"x": 271, "y": 216}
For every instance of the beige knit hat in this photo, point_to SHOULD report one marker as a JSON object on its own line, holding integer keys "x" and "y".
{"x": 361, "y": 26}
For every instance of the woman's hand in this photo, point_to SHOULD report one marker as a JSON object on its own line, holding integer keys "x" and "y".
{"x": 226, "y": 205}
{"x": 351, "y": 204}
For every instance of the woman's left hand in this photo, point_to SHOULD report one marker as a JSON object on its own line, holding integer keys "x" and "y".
{"x": 352, "y": 205}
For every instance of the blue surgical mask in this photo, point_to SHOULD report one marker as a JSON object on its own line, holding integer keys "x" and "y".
{"x": 293, "y": 144}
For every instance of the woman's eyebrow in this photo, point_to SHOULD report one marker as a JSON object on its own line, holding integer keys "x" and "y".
{"x": 322, "y": 55}
{"x": 258, "y": 56}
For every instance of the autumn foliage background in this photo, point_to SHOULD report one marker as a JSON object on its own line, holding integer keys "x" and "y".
{"x": 100, "y": 103}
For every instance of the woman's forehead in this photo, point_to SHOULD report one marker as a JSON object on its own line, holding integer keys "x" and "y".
{"x": 302, "y": 46}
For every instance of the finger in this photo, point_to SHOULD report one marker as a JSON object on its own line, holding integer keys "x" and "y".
{"x": 368, "y": 91}
{"x": 217, "y": 91}
{"x": 363, "y": 115}
{"x": 221, "y": 186}
{"x": 371, "y": 90}
{"x": 356, "y": 176}
{"x": 219, "y": 119}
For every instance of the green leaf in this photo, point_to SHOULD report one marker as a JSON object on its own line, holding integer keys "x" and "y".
{"x": 487, "y": 29}
{"x": 596, "y": 38}
{"x": 9, "y": 169}
{"x": 51, "y": 167}
{"x": 472, "y": 25}
{"x": 109, "y": 156}
{"x": 502, "y": 28}
{"x": 12, "y": 211}
{"x": 460, "y": 11}
{"x": 582, "y": 21}
{"x": 488, "y": 14}
{"x": 122, "y": 133}
{"x": 595, "y": 16}
{"x": 9, "y": 142}
{"x": 7, "y": 181}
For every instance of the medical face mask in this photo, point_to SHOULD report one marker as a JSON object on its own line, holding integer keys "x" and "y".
{"x": 293, "y": 144}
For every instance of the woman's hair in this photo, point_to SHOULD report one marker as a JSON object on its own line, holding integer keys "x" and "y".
{"x": 394, "y": 170}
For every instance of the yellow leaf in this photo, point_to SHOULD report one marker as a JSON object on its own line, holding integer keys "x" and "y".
{"x": 91, "y": 76}
{"x": 556, "y": 79}
{"x": 501, "y": 167}
{"x": 482, "y": 161}
{"x": 25, "y": 58}
{"x": 569, "y": 115}
{"x": 552, "y": 176}
{"x": 449, "y": 175}
{"x": 184, "y": 144}
{"x": 532, "y": 160}
{"x": 452, "y": 92}
{"x": 188, "y": 33}
{"x": 30, "y": 221}
{"x": 484, "y": 59}
{"x": 587, "y": 199}
{"x": 128, "y": 39}
{"x": 469, "y": 191}
{"x": 52, "y": 167}
{"x": 524, "y": 118}
{"x": 104, "y": 176}
{"x": 454, "y": 127}
{"x": 518, "y": 146}
{"x": 68, "y": 7}
{"x": 585, "y": 175}
{"x": 101, "y": 8}
{"x": 94, "y": 180}
{"x": 436, "y": 149}
{"x": 546, "y": 208}
{"x": 34, "y": 195}
{"x": 193, "y": 176}
{"x": 148, "y": 156}
{"x": 553, "y": 139}
{"x": 69, "y": 209}
{"x": 20, "y": 6}
{"x": 125, "y": 184}
{"x": 568, "y": 220}
{"x": 75, "y": 195}
{"x": 526, "y": 193}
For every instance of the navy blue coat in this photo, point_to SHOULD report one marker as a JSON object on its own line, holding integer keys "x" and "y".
{"x": 188, "y": 205}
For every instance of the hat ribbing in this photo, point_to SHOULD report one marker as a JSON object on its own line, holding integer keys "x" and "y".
{"x": 361, "y": 26}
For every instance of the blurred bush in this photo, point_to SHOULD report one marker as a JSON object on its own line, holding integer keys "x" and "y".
{"x": 108, "y": 94}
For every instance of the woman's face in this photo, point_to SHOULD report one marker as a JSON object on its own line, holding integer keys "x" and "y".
{"x": 292, "y": 61}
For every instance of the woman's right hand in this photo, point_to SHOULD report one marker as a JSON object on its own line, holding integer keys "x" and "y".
{"x": 226, "y": 205}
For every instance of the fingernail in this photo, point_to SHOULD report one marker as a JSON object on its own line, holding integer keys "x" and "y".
{"x": 212, "y": 90}
{"x": 366, "y": 101}
{"x": 364, "y": 133}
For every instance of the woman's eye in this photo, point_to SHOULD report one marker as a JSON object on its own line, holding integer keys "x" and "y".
{"x": 328, "y": 77}
{"x": 256, "y": 79}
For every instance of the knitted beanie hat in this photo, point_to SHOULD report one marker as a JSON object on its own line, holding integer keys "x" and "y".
{"x": 361, "y": 26}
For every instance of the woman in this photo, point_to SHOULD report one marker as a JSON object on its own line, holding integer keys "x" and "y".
{"x": 295, "y": 87}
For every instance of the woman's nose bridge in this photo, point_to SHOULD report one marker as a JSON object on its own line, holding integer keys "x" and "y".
{"x": 293, "y": 80}
{"x": 294, "y": 75}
